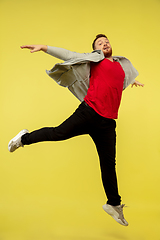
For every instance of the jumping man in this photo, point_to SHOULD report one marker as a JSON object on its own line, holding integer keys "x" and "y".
{"x": 97, "y": 79}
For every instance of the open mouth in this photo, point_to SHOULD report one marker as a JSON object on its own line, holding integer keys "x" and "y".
{"x": 106, "y": 48}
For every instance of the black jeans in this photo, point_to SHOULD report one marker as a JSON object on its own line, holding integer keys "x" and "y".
{"x": 102, "y": 130}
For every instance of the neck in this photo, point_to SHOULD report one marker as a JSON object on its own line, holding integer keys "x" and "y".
{"x": 110, "y": 58}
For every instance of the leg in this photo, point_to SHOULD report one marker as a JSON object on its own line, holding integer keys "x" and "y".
{"x": 105, "y": 140}
{"x": 77, "y": 124}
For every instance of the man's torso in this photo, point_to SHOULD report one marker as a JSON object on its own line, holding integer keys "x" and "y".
{"x": 105, "y": 88}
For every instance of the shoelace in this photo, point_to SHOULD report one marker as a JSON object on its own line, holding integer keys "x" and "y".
{"x": 120, "y": 211}
{"x": 18, "y": 144}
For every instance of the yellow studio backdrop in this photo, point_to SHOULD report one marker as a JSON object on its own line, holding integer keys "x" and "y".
{"x": 53, "y": 190}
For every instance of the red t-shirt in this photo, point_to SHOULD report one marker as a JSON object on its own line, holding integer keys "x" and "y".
{"x": 105, "y": 88}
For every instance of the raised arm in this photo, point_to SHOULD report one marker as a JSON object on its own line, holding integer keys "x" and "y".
{"x": 57, "y": 52}
{"x": 65, "y": 54}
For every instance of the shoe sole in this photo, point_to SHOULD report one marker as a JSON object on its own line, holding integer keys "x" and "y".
{"x": 111, "y": 213}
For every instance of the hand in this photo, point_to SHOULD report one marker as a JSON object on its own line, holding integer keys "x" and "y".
{"x": 136, "y": 83}
{"x": 35, "y": 48}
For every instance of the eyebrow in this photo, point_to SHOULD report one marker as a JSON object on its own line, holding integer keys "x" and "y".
{"x": 105, "y": 41}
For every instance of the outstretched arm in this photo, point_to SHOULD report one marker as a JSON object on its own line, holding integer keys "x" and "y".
{"x": 57, "y": 52}
{"x": 35, "y": 48}
{"x": 136, "y": 83}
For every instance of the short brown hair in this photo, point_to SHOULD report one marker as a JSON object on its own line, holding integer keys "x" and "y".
{"x": 98, "y": 36}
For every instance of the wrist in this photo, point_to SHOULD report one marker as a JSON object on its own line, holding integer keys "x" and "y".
{"x": 44, "y": 48}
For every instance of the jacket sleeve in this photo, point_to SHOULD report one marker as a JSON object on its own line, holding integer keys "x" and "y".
{"x": 64, "y": 54}
{"x": 130, "y": 72}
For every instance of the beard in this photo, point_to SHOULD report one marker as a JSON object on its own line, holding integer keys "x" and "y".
{"x": 108, "y": 53}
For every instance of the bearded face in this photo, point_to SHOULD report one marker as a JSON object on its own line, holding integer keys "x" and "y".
{"x": 107, "y": 52}
{"x": 103, "y": 44}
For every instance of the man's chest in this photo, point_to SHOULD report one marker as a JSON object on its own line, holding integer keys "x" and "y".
{"x": 107, "y": 72}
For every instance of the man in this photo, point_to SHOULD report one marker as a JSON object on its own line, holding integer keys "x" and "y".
{"x": 97, "y": 79}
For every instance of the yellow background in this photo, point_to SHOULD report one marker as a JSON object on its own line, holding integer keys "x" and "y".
{"x": 53, "y": 190}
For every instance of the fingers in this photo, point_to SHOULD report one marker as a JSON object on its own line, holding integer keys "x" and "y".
{"x": 33, "y": 48}
{"x": 137, "y": 84}
{"x": 27, "y": 46}
{"x": 140, "y": 84}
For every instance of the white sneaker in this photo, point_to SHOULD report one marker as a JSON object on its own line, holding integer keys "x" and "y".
{"x": 16, "y": 141}
{"x": 116, "y": 212}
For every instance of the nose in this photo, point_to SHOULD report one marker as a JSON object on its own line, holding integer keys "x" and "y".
{"x": 105, "y": 44}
